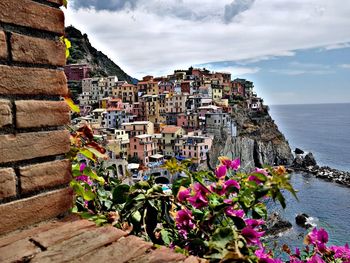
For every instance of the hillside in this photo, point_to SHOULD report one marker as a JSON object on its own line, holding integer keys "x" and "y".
{"x": 83, "y": 52}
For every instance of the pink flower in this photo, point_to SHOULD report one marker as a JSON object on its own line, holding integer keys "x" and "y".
{"x": 341, "y": 252}
{"x": 316, "y": 259}
{"x": 230, "y": 211}
{"x": 82, "y": 167}
{"x": 221, "y": 171}
{"x": 228, "y": 201}
{"x": 235, "y": 164}
{"x": 253, "y": 223}
{"x": 84, "y": 178}
{"x": 261, "y": 171}
{"x": 252, "y": 236}
{"x": 232, "y": 183}
{"x": 199, "y": 199}
{"x": 183, "y": 195}
{"x": 230, "y": 164}
{"x": 184, "y": 222}
{"x": 264, "y": 257}
{"x": 318, "y": 238}
{"x": 254, "y": 179}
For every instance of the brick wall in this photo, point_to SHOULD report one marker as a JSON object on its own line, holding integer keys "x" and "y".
{"x": 33, "y": 172}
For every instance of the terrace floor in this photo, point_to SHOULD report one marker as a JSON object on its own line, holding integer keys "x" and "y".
{"x": 76, "y": 240}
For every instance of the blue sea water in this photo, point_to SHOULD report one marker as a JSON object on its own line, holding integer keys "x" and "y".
{"x": 324, "y": 130}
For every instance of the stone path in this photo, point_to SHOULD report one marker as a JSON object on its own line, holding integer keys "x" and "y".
{"x": 81, "y": 241}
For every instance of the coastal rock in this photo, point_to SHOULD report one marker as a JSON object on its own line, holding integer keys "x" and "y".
{"x": 301, "y": 220}
{"x": 309, "y": 160}
{"x": 298, "y": 162}
{"x": 298, "y": 151}
{"x": 275, "y": 224}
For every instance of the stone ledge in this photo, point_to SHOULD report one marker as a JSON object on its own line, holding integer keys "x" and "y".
{"x": 82, "y": 241}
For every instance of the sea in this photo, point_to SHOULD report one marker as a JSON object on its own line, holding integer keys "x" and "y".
{"x": 324, "y": 130}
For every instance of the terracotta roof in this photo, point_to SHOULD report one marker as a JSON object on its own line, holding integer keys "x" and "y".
{"x": 170, "y": 129}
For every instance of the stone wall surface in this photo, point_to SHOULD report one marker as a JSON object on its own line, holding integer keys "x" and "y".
{"x": 34, "y": 175}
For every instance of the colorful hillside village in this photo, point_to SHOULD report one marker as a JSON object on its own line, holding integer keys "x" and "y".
{"x": 160, "y": 118}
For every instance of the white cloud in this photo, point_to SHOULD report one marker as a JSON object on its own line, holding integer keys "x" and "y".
{"x": 155, "y": 36}
{"x": 346, "y": 66}
{"x": 235, "y": 71}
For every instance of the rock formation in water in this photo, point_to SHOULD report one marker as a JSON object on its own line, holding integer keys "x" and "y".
{"x": 307, "y": 163}
{"x": 259, "y": 141}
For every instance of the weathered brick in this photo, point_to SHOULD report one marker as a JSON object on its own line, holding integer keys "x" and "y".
{"x": 31, "y": 210}
{"x": 18, "y": 251}
{"x": 159, "y": 255}
{"x": 77, "y": 246}
{"x": 34, "y": 113}
{"x": 64, "y": 232}
{"x": 124, "y": 250}
{"x": 37, "y": 50}
{"x": 32, "y": 81}
{"x": 43, "y": 175}
{"x": 3, "y": 45}
{"x": 7, "y": 183}
{"x": 32, "y": 14}
{"x": 5, "y": 113}
{"x": 24, "y": 146}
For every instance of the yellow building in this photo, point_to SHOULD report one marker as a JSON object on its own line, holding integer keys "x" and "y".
{"x": 127, "y": 92}
{"x": 170, "y": 134}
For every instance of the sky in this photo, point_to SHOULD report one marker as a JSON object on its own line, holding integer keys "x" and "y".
{"x": 295, "y": 51}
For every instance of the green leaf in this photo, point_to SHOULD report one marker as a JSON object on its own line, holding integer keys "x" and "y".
{"x": 136, "y": 216}
{"x": 65, "y": 3}
{"x": 260, "y": 210}
{"x": 120, "y": 193}
{"x": 89, "y": 172}
{"x": 165, "y": 237}
{"x": 88, "y": 154}
{"x": 97, "y": 153}
{"x": 72, "y": 105}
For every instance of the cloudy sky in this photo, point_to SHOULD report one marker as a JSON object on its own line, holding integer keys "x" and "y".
{"x": 296, "y": 51}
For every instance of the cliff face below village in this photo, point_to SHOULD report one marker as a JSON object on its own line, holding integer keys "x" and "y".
{"x": 82, "y": 52}
{"x": 259, "y": 141}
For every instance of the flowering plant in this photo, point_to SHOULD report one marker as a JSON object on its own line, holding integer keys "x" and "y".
{"x": 220, "y": 215}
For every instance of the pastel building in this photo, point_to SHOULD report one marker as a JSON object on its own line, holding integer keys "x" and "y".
{"x": 170, "y": 134}
{"x": 118, "y": 144}
{"x": 194, "y": 147}
{"x": 138, "y": 128}
{"x": 143, "y": 147}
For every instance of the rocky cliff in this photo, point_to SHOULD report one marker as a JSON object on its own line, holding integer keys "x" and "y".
{"x": 259, "y": 141}
{"x": 82, "y": 52}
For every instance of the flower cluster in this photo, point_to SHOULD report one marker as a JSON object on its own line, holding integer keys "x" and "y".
{"x": 317, "y": 251}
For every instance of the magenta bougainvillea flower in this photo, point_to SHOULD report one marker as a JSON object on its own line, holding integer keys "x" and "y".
{"x": 261, "y": 171}
{"x": 221, "y": 171}
{"x": 235, "y": 164}
{"x": 84, "y": 178}
{"x": 182, "y": 195}
{"x": 251, "y": 235}
{"x": 315, "y": 259}
{"x": 232, "y": 183}
{"x": 199, "y": 198}
{"x": 318, "y": 238}
{"x": 184, "y": 222}
{"x": 230, "y": 211}
{"x": 230, "y": 164}
{"x": 82, "y": 167}
{"x": 342, "y": 253}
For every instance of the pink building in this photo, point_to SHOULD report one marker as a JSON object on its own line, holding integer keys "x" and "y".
{"x": 143, "y": 147}
{"x": 195, "y": 147}
{"x": 77, "y": 71}
{"x": 189, "y": 122}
